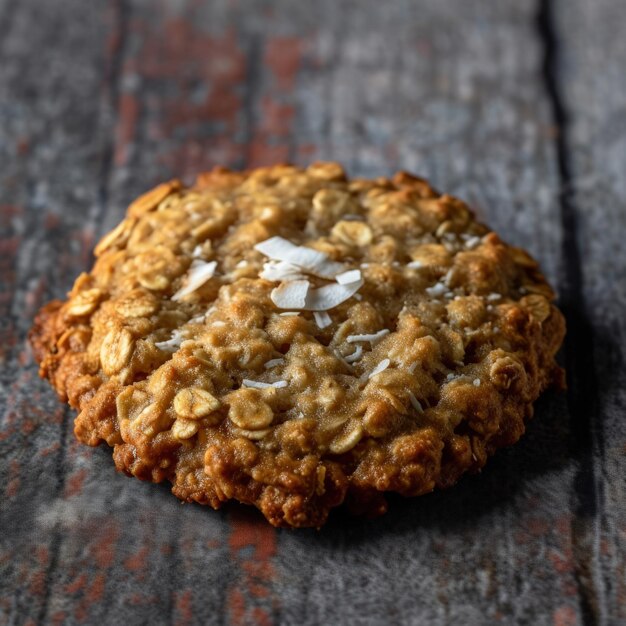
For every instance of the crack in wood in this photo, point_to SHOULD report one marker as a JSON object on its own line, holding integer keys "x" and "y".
{"x": 113, "y": 74}
{"x": 582, "y": 397}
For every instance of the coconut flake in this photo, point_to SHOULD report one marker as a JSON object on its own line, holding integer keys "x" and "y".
{"x": 281, "y": 270}
{"x": 330, "y": 296}
{"x": 476, "y": 382}
{"x": 198, "y": 319}
{"x": 218, "y": 323}
{"x": 197, "y": 252}
{"x": 411, "y": 369}
{"x": 257, "y": 384}
{"x": 312, "y": 261}
{"x": 273, "y": 363}
{"x": 351, "y": 276}
{"x": 492, "y": 297}
{"x": 436, "y": 290}
{"x": 172, "y": 344}
{"x": 356, "y": 355}
{"x": 415, "y": 403}
{"x": 289, "y": 314}
{"x": 415, "y": 265}
{"x": 381, "y": 367}
{"x": 322, "y": 319}
{"x": 472, "y": 242}
{"x": 198, "y": 274}
{"x": 372, "y": 338}
{"x": 291, "y": 295}
{"x": 242, "y": 263}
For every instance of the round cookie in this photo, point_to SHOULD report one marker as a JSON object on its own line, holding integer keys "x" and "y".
{"x": 294, "y": 339}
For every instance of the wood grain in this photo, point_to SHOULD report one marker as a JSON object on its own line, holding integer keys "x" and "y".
{"x": 515, "y": 106}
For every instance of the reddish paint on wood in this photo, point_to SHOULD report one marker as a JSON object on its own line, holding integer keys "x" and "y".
{"x": 257, "y": 571}
{"x": 282, "y": 57}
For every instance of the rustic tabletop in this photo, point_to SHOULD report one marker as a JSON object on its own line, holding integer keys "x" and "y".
{"x": 517, "y": 106}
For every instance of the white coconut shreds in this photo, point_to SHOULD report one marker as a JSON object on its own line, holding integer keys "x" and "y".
{"x": 307, "y": 259}
{"x": 472, "y": 242}
{"x": 415, "y": 265}
{"x": 289, "y": 314}
{"x": 291, "y": 295}
{"x": 436, "y": 290}
{"x": 198, "y": 274}
{"x": 476, "y": 382}
{"x": 492, "y": 297}
{"x": 415, "y": 403}
{"x": 172, "y": 344}
{"x": 351, "y": 276}
{"x": 281, "y": 270}
{"x": 197, "y": 252}
{"x": 257, "y": 384}
{"x": 242, "y": 263}
{"x": 411, "y": 369}
{"x": 322, "y": 319}
{"x": 381, "y": 367}
{"x": 329, "y": 296}
{"x": 198, "y": 319}
{"x": 372, "y": 338}
{"x": 356, "y": 355}
{"x": 273, "y": 363}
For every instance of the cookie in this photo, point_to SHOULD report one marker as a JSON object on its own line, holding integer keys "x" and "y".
{"x": 293, "y": 339}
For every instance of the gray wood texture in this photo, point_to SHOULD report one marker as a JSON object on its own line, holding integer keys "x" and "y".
{"x": 516, "y": 106}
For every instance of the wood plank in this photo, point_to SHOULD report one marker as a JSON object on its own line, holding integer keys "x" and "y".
{"x": 79, "y": 547}
{"x": 590, "y": 57}
{"x": 49, "y": 172}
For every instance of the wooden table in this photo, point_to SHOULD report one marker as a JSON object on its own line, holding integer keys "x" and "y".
{"x": 518, "y": 107}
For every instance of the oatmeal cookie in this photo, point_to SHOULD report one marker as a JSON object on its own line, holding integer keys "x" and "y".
{"x": 294, "y": 339}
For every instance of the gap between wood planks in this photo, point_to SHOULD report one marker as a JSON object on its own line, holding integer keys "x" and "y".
{"x": 112, "y": 79}
{"x": 582, "y": 397}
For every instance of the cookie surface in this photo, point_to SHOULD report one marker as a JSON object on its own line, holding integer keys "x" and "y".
{"x": 293, "y": 339}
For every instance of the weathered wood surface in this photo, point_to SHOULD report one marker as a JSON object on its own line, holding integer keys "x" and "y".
{"x": 514, "y": 106}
